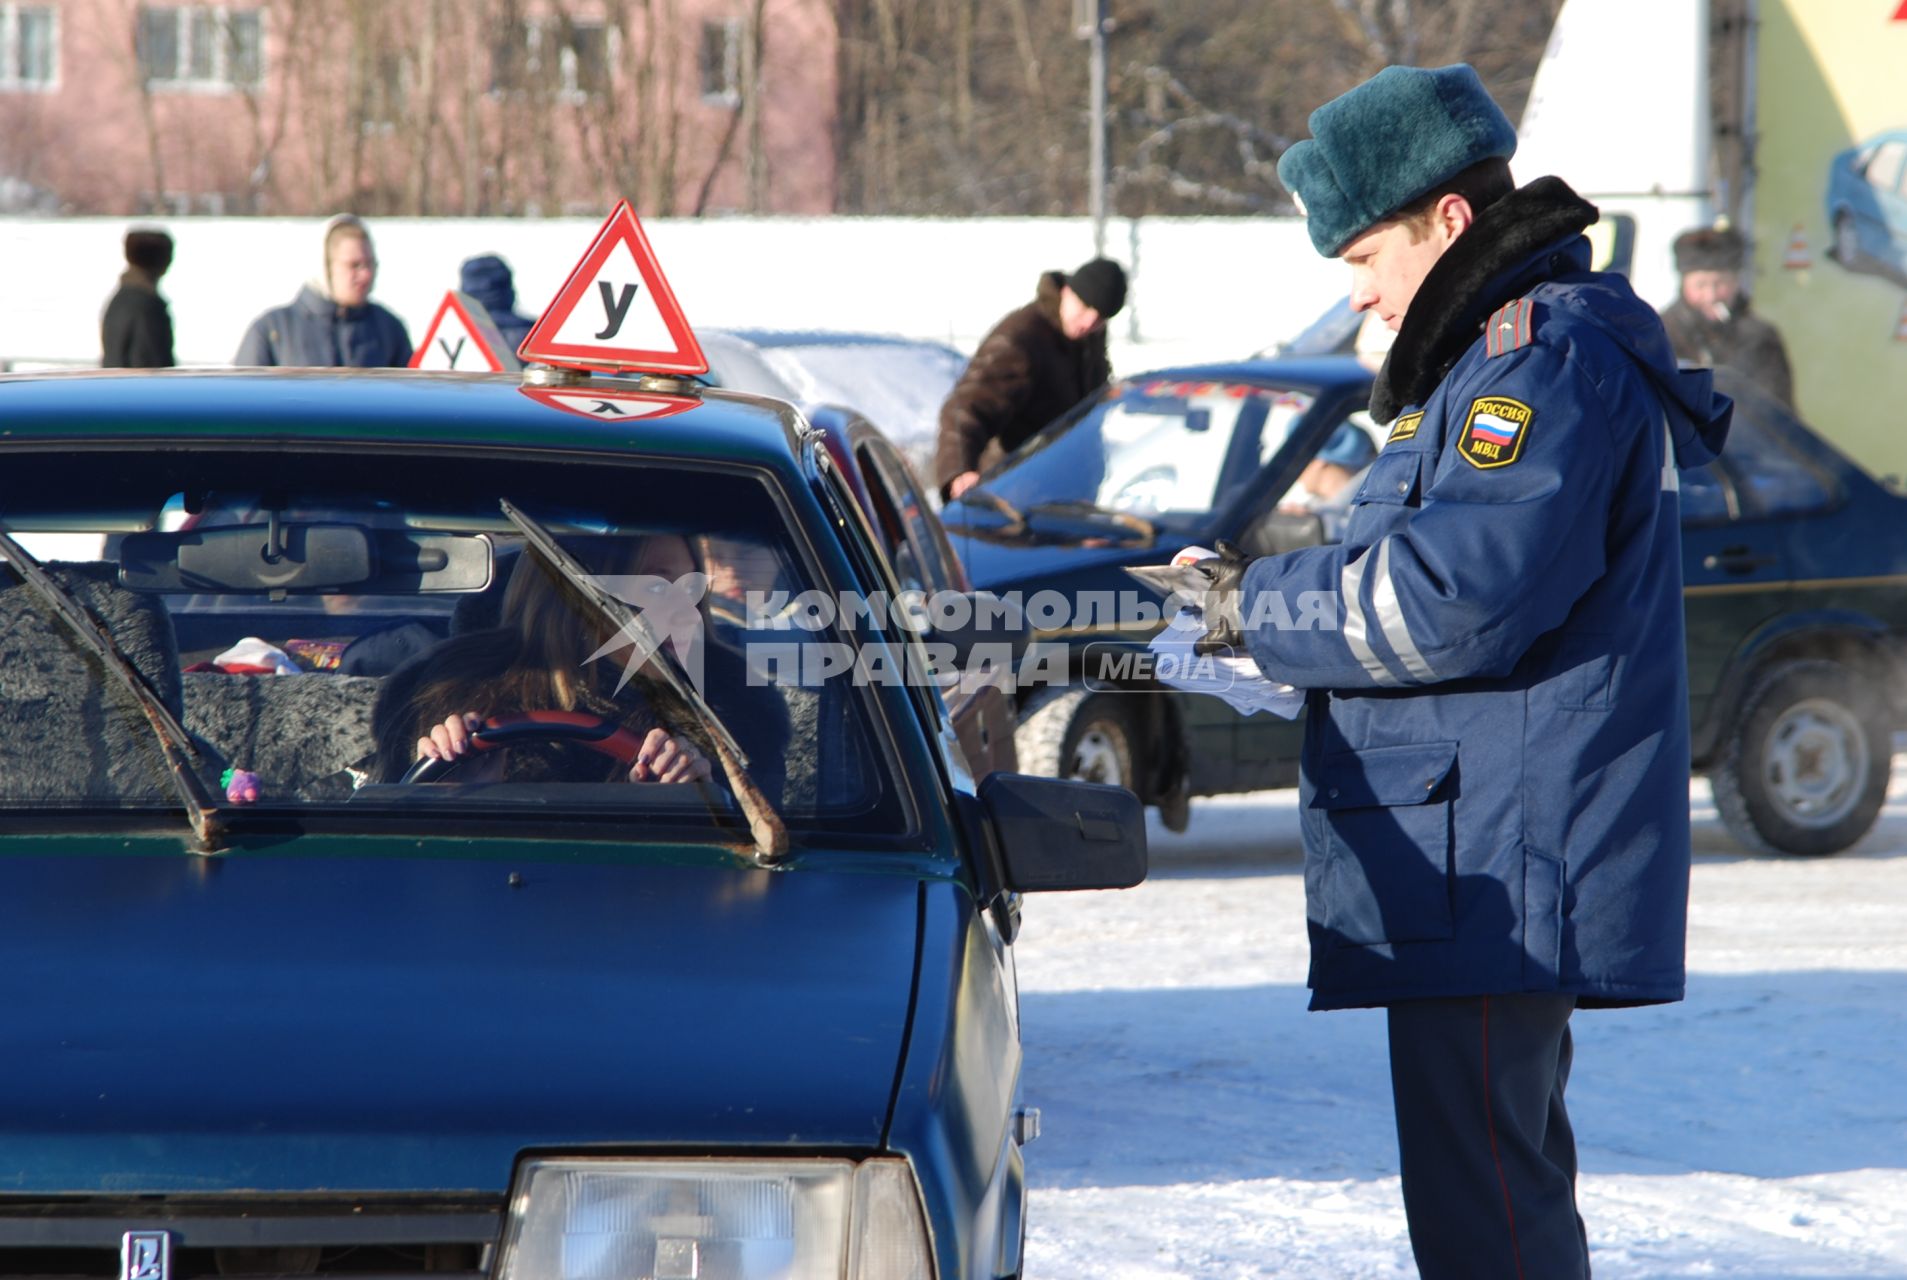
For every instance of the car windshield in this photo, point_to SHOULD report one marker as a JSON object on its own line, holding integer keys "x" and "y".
{"x": 310, "y": 617}
{"x": 1167, "y": 450}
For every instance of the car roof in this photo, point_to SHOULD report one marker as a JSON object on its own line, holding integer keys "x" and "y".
{"x": 381, "y": 406}
{"x": 1312, "y": 371}
{"x": 830, "y": 338}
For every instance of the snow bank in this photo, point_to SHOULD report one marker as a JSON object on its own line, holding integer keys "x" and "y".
{"x": 1203, "y": 289}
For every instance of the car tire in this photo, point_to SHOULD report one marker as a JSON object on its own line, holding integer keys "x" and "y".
{"x": 1847, "y": 240}
{"x": 1806, "y": 768}
{"x": 1080, "y": 734}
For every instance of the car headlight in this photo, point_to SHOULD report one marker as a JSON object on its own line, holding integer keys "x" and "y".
{"x": 716, "y": 1219}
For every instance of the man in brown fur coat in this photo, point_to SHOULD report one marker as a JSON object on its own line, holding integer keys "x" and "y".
{"x": 1037, "y": 363}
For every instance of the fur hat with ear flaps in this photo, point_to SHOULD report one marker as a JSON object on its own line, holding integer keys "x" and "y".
{"x": 1378, "y": 147}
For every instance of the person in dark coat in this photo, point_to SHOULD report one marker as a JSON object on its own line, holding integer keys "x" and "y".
{"x": 1494, "y": 778}
{"x": 487, "y": 278}
{"x": 332, "y": 323}
{"x": 1037, "y": 363}
{"x": 1710, "y": 324}
{"x": 136, "y": 330}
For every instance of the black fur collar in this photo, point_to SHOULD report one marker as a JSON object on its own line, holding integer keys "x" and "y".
{"x": 1475, "y": 276}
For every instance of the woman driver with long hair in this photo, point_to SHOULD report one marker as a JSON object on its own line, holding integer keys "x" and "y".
{"x": 538, "y": 658}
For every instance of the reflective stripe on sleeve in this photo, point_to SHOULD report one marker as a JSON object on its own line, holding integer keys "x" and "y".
{"x": 1390, "y": 616}
{"x": 1671, "y": 479}
{"x": 1356, "y": 629}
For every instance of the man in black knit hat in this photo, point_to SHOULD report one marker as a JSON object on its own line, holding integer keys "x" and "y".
{"x": 135, "y": 331}
{"x": 1709, "y": 323}
{"x": 1037, "y": 363}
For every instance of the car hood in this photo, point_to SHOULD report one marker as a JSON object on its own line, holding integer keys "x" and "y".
{"x": 288, "y": 1023}
{"x": 1001, "y": 566}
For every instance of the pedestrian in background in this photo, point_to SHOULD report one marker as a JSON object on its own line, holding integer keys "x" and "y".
{"x": 1709, "y": 323}
{"x": 487, "y": 278}
{"x": 1496, "y": 759}
{"x": 135, "y": 332}
{"x": 332, "y": 323}
{"x": 1037, "y": 363}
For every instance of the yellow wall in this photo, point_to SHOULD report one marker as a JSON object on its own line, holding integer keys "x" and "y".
{"x": 1832, "y": 73}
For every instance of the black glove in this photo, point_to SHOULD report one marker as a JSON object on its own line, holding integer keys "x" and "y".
{"x": 1223, "y": 606}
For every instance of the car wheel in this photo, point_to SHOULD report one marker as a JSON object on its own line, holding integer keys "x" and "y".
{"x": 1847, "y": 240}
{"x": 1077, "y": 733}
{"x": 1806, "y": 768}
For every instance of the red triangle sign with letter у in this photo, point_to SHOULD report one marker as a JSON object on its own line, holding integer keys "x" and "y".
{"x": 616, "y": 310}
{"x": 462, "y": 336}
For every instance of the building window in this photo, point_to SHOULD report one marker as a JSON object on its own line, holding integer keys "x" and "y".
{"x": 553, "y": 55}
{"x": 201, "y": 47}
{"x": 29, "y": 46}
{"x": 721, "y": 62}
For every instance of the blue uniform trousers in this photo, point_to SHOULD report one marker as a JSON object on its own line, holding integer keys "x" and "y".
{"x": 1488, "y": 1158}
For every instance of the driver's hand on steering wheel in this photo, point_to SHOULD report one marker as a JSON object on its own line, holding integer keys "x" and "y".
{"x": 451, "y": 741}
{"x": 667, "y": 757}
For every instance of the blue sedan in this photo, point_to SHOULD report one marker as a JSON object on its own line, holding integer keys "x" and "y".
{"x": 430, "y": 844}
{"x": 1867, "y": 205}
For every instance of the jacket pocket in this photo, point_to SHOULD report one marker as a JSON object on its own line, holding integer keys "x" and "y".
{"x": 1392, "y": 479}
{"x": 1388, "y": 815}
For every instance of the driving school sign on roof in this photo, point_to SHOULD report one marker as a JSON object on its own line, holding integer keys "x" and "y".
{"x": 616, "y": 310}
{"x": 462, "y": 336}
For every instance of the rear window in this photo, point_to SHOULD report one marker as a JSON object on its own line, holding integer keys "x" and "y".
{"x": 311, "y": 617}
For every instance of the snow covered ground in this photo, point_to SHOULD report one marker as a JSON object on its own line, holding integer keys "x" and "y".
{"x": 1199, "y": 1123}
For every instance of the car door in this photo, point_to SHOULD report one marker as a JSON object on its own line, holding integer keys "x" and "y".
{"x": 978, "y": 704}
{"x": 1739, "y": 514}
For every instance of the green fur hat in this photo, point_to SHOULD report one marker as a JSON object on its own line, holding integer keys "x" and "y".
{"x": 1378, "y": 147}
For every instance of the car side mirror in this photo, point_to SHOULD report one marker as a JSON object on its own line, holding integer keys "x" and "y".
{"x": 994, "y": 630}
{"x": 1279, "y": 531}
{"x": 1051, "y": 833}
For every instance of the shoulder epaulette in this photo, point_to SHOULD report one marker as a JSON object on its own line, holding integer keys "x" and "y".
{"x": 1509, "y": 328}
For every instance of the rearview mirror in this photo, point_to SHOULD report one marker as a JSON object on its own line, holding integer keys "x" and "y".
{"x": 297, "y": 558}
{"x": 1053, "y": 833}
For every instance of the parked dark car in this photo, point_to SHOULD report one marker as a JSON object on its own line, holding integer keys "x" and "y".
{"x": 1867, "y": 206}
{"x": 1795, "y": 562}
{"x": 281, "y": 999}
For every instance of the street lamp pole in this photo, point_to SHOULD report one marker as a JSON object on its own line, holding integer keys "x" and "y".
{"x": 1089, "y": 23}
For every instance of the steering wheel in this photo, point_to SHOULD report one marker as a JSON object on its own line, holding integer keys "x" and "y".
{"x": 581, "y": 727}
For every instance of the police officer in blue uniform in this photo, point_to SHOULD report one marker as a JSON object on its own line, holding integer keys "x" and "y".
{"x": 1496, "y": 762}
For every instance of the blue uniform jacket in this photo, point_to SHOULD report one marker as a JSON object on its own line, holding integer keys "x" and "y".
{"x": 1496, "y": 761}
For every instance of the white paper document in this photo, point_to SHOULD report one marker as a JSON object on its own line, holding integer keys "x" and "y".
{"x": 1237, "y": 678}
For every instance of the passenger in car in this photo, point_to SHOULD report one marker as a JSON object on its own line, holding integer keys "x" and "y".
{"x": 546, "y": 653}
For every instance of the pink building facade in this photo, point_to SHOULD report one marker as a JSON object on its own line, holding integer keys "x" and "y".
{"x": 424, "y": 107}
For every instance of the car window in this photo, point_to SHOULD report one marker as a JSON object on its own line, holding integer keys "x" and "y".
{"x": 309, "y": 618}
{"x": 885, "y": 471}
{"x": 1768, "y": 477}
{"x": 1164, "y": 449}
{"x": 1331, "y": 477}
{"x": 1885, "y": 168}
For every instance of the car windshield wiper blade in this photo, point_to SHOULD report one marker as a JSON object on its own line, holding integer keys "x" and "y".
{"x": 766, "y": 825}
{"x": 1081, "y": 507}
{"x": 978, "y": 497}
{"x": 175, "y": 744}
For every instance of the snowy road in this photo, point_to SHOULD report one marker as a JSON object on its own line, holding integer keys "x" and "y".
{"x": 1199, "y": 1123}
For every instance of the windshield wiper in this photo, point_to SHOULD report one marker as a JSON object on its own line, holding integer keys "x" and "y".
{"x": 1081, "y": 507}
{"x": 1015, "y": 522}
{"x": 201, "y": 809}
{"x": 766, "y": 825}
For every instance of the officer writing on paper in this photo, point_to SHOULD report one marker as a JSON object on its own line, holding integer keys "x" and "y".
{"x": 1495, "y": 771}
